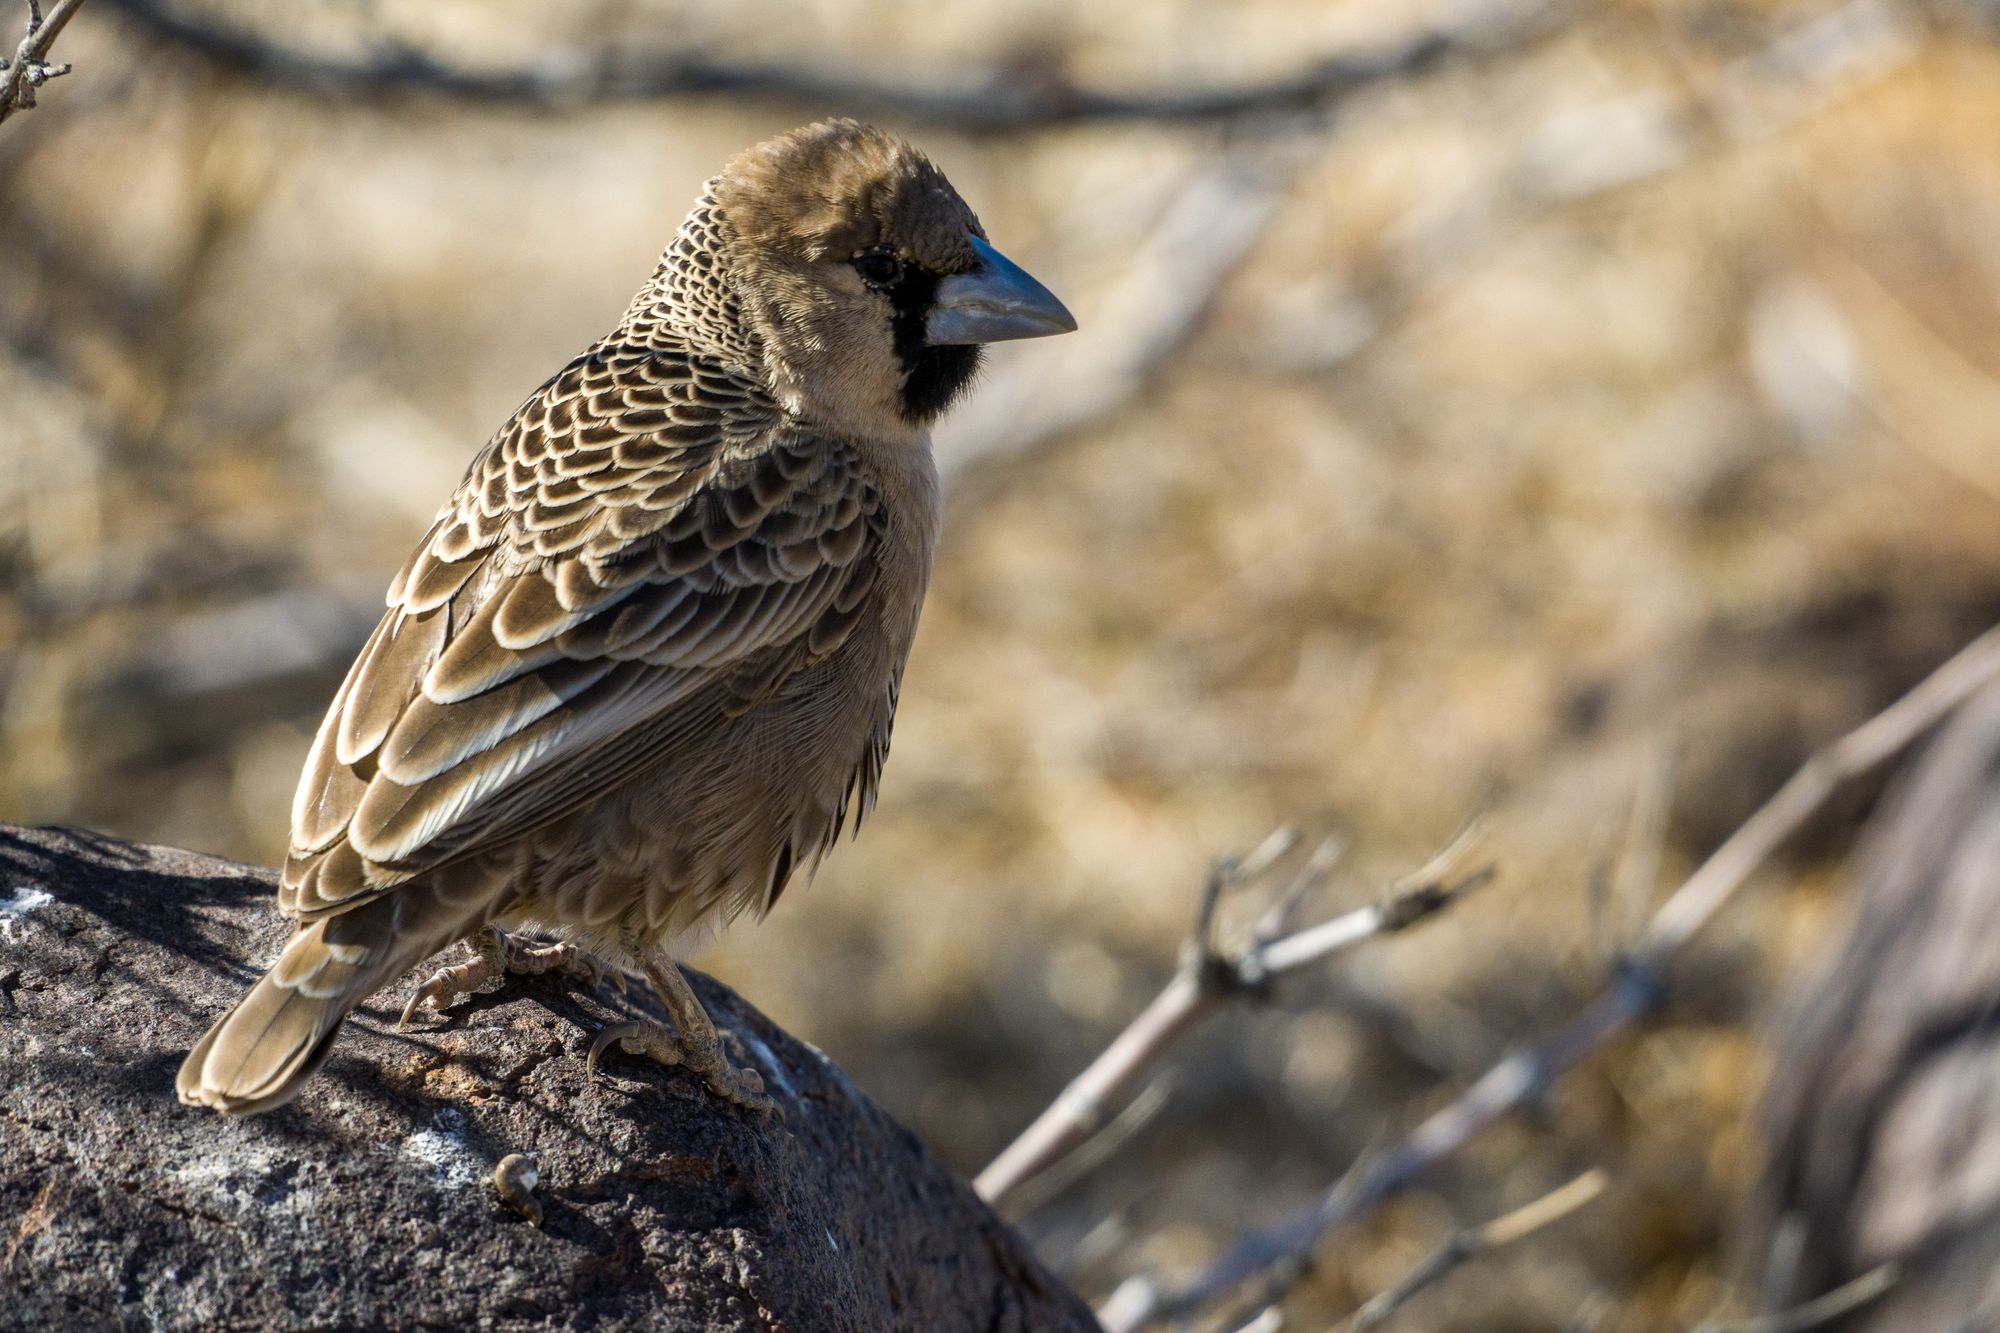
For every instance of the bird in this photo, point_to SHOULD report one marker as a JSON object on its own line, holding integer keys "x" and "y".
{"x": 641, "y": 671}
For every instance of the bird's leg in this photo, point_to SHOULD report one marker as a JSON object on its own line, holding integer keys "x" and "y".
{"x": 494, "y": 958}
{"x": 692, "y": 1042}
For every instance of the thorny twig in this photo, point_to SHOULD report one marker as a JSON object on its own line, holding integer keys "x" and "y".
{"x": 1003, "y": 101}
{"x": 1636, "y": 988}
{"x": 30, "y": 68}
{"x": 1210, "y": 975}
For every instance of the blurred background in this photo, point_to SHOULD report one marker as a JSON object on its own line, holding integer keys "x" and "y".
{"x": 1582, "y": 409}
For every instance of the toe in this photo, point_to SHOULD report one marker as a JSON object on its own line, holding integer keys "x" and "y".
{"x": 737, "y": 1086}
{"x": 746, "y": 1089}
{"x": 610, "y": 1033}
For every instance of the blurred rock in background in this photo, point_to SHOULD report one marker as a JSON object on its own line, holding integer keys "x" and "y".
{"x": 1886, "y": 1152}
{"x": 1600, "y": 391}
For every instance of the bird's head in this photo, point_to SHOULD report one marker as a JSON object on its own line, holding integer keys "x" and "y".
{"x": 868, "y": 282}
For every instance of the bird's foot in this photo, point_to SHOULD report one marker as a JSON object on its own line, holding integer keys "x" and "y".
{"x": 495, "y": 957}
{"x": 734, "y": 1084}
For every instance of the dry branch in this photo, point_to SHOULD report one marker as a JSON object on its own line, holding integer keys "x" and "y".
{"x": 1635, "y": 989}
{"x": 1210, "y": 975}
{"x": 30, "y": 68}
{"x": 1818, "y": 1312}
{"x": 1000, "y": 101}
{"x": 1470, "y": 1242}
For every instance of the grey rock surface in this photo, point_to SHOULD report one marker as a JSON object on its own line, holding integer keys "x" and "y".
{"x": 369, "y": 1202}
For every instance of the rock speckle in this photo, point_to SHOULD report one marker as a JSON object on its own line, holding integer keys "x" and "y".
{"x": 370, "y": 1201}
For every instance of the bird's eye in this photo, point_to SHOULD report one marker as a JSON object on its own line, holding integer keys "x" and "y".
{"x": 878, "y": 268}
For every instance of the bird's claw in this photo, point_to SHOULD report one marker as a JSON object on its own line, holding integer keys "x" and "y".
{"x": 486, "y": 968}
{"x": 495, "y": 957}
{"x": 734, "y": 1084}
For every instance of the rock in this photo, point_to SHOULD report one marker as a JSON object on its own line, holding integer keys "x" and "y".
{"x": 371, "y": 1203}
{"x": 1886, "y": 1148}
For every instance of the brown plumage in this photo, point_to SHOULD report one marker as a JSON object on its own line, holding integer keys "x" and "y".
{"x": 641, "y": 671}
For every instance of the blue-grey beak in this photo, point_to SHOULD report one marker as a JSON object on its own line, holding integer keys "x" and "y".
{"x": 993, "y": 303}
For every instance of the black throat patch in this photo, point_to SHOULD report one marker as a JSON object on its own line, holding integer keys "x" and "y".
{"x": 932, "y": 376}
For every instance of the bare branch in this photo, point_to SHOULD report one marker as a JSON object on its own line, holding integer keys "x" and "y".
{"x": 1471, "y": 1242}
{"x": 1277, "y": 918}
{"x": 1636, "y": 988}
{"x": 1002, "y": 101}
{"x": 1279, "y": 1255}
{"x": 22, "y": 76}
{"x": 1818, "y": 1312}
{"x": 1396, "y": 913}
{"x": 1096, "y": 1150}
{"x": 1207, "y": 978}
{"x": 1696, "y": 902}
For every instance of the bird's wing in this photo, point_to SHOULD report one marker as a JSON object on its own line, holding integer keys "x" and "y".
{"x": 641, "y": 551}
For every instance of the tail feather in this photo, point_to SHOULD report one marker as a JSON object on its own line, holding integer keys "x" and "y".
{"x": 259, "y": 1054}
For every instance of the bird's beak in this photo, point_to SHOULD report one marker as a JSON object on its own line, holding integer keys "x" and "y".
{"x": 993, "y": 303}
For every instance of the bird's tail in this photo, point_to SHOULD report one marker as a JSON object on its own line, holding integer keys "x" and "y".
{"x": 258, "y": 1054}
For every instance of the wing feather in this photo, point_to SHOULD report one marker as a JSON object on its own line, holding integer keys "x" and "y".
{"x": 431, "y": 737}
{"x": 404, "y": 652}
{"x": 475, "y": 660}
{"x": 636, "y": 555}
{"x": 329, "y": 789}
